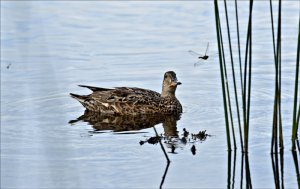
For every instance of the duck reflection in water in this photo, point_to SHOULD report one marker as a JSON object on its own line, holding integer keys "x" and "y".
{"x": 133, "y": 124}
{"x": 130, "y": 124}
{"x": 123, "y": 123}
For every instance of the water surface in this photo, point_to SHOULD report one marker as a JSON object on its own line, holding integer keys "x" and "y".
{"x": 52, "y": 47}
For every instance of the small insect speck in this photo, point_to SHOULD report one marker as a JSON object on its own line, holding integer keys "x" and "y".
{"x": 8, "y": 66}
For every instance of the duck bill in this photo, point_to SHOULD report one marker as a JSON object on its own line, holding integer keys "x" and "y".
{"x": 174, "y": 84}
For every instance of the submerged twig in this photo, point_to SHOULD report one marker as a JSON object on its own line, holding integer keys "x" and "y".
{"x": 165, "y": 174}
{"x": 161, "y": 145}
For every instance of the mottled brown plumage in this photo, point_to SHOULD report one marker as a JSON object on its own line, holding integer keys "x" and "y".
{"x": 133, "y": 101}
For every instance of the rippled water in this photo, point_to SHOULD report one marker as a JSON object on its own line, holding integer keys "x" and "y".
{"x": 52, "y": 47}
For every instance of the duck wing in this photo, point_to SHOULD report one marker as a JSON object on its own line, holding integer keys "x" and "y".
{"x": 120, "y": 100}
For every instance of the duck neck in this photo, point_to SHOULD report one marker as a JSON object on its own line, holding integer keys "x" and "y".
{"x": 167, "y": 94}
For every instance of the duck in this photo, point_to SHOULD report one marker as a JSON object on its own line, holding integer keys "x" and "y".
{"x": 133, "y": 100}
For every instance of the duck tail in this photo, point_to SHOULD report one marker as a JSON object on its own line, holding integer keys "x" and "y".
{"x": 80, "y": 98}
{"x": 94, "y": 88}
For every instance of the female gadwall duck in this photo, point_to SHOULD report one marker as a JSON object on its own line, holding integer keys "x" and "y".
{"x": 133, "y": 101}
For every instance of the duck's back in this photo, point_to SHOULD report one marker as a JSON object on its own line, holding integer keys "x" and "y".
{"x": 121, "y": 100}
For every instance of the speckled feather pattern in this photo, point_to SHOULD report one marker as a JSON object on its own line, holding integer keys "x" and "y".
{"x": 128, "y": 101}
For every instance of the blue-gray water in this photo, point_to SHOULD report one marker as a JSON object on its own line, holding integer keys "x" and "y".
{"x": 52, "y": 47}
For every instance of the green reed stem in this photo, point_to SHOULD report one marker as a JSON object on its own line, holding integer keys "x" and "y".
{"x": 227, "y": 86}
{"x": 279, "y": 77}
{"x": 279, "y": 106}
{"x": 296, "y": 120}
{"x": 239, "y": 46}
{"x": 222, "y": 73}
{"x": 297, "y": 141}
{"x": 278, "y": 85}
{"x": 272, "y": 24}
{"x": 233, "y": 75}
{"x": 249, "y": 81}
{"x": 277, "y": 119}
{"x": 246, "y": 110}
{"x": 274, "y": 129}
{"x": 240, "y": 66}
{"x": 244, "y": 95}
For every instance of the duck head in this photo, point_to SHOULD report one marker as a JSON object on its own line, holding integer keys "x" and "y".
{"x": 170, "y": 84}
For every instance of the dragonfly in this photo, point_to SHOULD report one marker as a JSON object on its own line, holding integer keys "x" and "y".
{"x": 8, "y": 66}
{"x": 201, "y": 57}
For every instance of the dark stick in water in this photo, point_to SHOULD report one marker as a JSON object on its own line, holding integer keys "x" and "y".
{"x": 161, "y": 145}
